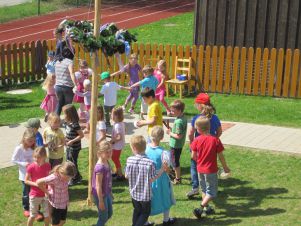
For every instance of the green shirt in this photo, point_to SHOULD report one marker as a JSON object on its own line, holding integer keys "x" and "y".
{"x": 179, "y": 127}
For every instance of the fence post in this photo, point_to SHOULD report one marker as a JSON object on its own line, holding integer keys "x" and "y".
{"x": 39, "y": 7}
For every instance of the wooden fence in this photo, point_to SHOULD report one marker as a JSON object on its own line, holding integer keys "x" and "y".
{"x": 236, "y": 70}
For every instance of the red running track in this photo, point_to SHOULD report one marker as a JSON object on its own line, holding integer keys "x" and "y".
{"x": 125, "y": 15}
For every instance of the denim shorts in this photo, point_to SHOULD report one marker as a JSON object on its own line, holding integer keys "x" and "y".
{"x": 208, "y": 183}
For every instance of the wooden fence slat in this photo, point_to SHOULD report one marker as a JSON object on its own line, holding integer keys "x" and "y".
{"x": 296, "y": 60}
{"x": 263, "y": 82}
{"x": 287, "y": 73}
{"x": 27, "y": 61}
{"x": 9, "y": 61}
{"x": 214, "y": 69}
{"x": 21, "y": 62}
{"x": 141, "y": 56}
{"x": 235, "y": 70}
{"x": 257, "y": 71}
{"x": 299, "y": 86}
{"x": 3, "y": 65}
{"x": 250, "y": 70}
{"x": 279, "y": 72}
{"x": 154, "y": 55}
{"x": 147, "y": 53}
{"x": 192, "y": 81}
{"x": 173, "y": 63}
{"x": 200, "y": 73}
{"x": 15, "y": 74}
{"x": 167, "y": 59}
{"x": 242, "y": 70}
{"x": 49, "y": 45}
{"x": 44, "y": 71}
{"x": 221, "y": 69}
{"x": 228, "y": 69}
{"x": 161, "y": 51}
{"x": 207, "y": 68}
{"x": 272, "y": 75}
{"x": 33, "y": 61}
{"x": 187, "y": 54}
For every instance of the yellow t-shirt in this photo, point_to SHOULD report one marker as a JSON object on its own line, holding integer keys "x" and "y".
{"x": 154, "y": 110}
{"x": 54, "y": 138}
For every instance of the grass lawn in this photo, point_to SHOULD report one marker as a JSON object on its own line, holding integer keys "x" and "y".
{"x": 263, "y": 190}
{"x": 240, "y": 108}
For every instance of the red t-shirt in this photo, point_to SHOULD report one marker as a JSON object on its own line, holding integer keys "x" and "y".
{"x": 36, "y": 172}
{"x": 207, "y": 147}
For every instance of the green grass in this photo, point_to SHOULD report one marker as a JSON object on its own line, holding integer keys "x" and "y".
{"x": 239, "y": 108}
{"x": 264, "y": 190}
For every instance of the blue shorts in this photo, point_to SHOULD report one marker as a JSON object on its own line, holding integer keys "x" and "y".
{"x": 208, "y": 183}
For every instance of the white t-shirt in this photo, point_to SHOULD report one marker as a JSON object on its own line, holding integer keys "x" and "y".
{"x": 22, "y": 157}
{"x": 119, "y": 128}
{"x": 109, "y": 90}
{"x": 101, "y": 125}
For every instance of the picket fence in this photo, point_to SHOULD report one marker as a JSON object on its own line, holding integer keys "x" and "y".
{"x": 262, "y": 72}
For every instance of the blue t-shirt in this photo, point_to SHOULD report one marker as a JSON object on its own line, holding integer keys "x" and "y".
{"x": 150, "y": 82}
{"x": 39, "y": 140}
{"x": 215, "y": 123}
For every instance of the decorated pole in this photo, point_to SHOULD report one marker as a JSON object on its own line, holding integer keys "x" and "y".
{"x": 93, "y": 119}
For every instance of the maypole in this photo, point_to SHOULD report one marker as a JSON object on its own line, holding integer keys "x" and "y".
{"x": 93, "y": 119}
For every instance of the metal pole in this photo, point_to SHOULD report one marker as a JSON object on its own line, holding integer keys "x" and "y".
{"x": 39, "y": 6}
{"x": 93, "y": 119}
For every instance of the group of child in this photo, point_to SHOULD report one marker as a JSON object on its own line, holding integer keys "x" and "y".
{"x": 148, "y": 173}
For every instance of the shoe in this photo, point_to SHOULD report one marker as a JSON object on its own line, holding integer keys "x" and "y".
{"x": 114, "y": 175}
{"x": 197, "y": 213}
{"x": 208, "y": 210}
{"x": 172, "y": 174}
{"x": 39, "y": 217}
{"x": 131, "y": 111}
{"x": 26, "y": 213}
{"x": 123, "y": 107}
{"x": 169, "y": 222}
{"x": 177, "y": 181}
{"x": 149, "y": 224}
{"x": 193, "y": 192}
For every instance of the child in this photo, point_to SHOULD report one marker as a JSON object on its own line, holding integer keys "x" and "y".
{"x": 102, "y": 183}
{"x": 154, "y": 115}
{"x": 177, "y": 136}
{"x": 54, "y": 140}
{"x": 50, "y": 63}
{"x": 74, "y": 134}
{"x": 36, "y": 170}
{"x": 161, "y": 75}
{"x": 202, "y": 103}
{"x": 23, "y": 157}
{"x": 50, "y": 101}
{"x": 132, "y": 69}
{"x": 204, "y": 150}
{"x": 118, "y": 139}
{"x": 140, "y": 171}
{"x": 35, "y": 124}
{"x": 109, "y": 91}
{"x": 101, "y": 125}
{"x": 149, "y": 82}
{"x": 57, "y": 191}
{"x": 162, "y": 193}
{"x": 81, "y": 75}
{"x": 86, "y": 94}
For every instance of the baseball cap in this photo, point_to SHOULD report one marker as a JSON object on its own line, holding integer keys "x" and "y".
{"x": 104, "y": 75}
{"x": 33, "y": 123}
{"x": 202, "y": 98}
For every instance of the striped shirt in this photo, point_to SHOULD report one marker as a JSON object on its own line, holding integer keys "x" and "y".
{"x": 58, "y": 191}
{"x": 139, "y": 170}
{"x": 71, "y": 133}
{"x": 62, "y": 73}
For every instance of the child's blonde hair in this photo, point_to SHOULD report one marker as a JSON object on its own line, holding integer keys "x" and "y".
{"x": 162, "y": 63}
{"x": 118, "y": 114}
{"x": 138, "y": 142}
{"x": 203, "y": 124}
{"x": 208, "y": 110}
{"x": 40, "y": 152}
{"x": 52, "y": 118}
{"x": 66, "y": 168}
{"x": 87, "y": 83}
{"x": 157, "y": 133}
{"x": 47, "y": 82}
{"x": 100, "y": 113}
{"x": 83, "y": 63}
{"x": 29, "y": 133}
{"x": 103, "y": 146}
{"x": 148, "y": 70}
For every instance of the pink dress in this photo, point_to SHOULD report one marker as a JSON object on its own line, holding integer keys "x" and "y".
{"x": 50, "y": 101}
{"x": 160, "y": 90}
{"x": 80, "y": 77}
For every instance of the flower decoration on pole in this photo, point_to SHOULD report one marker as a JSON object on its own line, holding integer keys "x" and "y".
{"x": 111, "y": 40}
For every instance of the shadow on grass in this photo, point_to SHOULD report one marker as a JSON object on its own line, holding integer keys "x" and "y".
{"x": 204, "y": 221}
{"x": 82, "y": 214}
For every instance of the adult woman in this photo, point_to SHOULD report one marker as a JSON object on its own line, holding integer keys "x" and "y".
{"x": 65, "y": 79}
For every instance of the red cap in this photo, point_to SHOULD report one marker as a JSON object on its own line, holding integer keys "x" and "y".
{"x": 202, "y": 98}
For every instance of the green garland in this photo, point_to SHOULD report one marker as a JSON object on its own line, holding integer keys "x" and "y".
{"x": 111, "y": 39}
